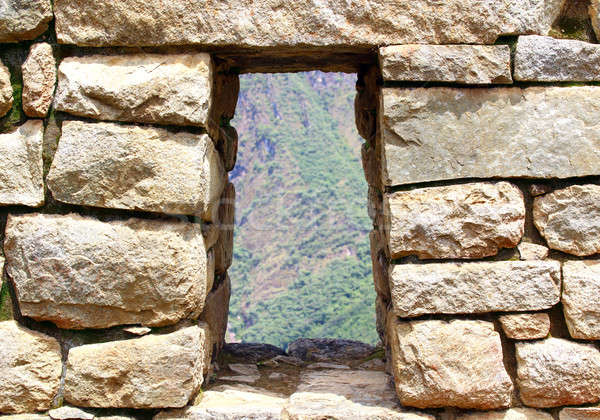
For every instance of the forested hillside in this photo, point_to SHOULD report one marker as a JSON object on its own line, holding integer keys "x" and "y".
{"x": 301, "y": 260}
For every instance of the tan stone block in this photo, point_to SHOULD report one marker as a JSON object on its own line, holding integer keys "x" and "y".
{"x": 526, "y": 326}
{"x": 39, "y": 80}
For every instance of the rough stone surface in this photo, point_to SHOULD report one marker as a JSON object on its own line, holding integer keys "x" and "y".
{"x": 253, "y": 352}
{"x": 569, "y": 219}
{"x": 525, "y": 326}
{"x": 21, "y": 166}
{"x": 70, "y": 413}
{"x": 304, "y": 23}
{"x": 170, "y": 89}
{"x": 532, "y": 252}
{"x": 556, "y": 372}
{"x": 216, "y": 313}
{"x": 224, "y": 246}
{"x": 6, "y": 90}
{"x": 380, "y": 264}
{"x": 460, "y": 221}
{"x": 39, "y": 80}
{"x": 31, "y": 368}
{"x": 139, "y": 331}
{"x": 512, "y": 414}
{"x": 478, "y": 287}
{"x": 468, "y": 64}
{"x": 586, "y": 413}
{"x": 580, "y": 298}
{"x": 329, "y": 350}
{"x": 457, "y": 363}
{"x": 137, "y": 168}
{"x": 546, "y": 59}
{"x": 154, "y": 371}
{"x": 231, "y": 402}
{"x": 444, "y": 133}
{"x": 25, "y": 417}
{"x": 83, "y": 273}
{"x": 24, "y": 19}
{"x": 313, "y": 406}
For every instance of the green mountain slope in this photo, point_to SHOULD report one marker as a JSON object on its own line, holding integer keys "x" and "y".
{"x": 301, "y": 257}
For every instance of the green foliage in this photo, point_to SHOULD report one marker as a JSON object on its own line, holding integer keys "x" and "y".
{"x": 301, "y": 258}
{"x": 6, "y": 313}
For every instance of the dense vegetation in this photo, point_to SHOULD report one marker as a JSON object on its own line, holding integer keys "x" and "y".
{"x": 301, "y": 261}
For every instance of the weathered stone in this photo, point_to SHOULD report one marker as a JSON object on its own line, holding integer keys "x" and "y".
{"x": 595, "y": 16}
{"x": 79, "y": 272}
{"x": 512, "y": 414}
{"x": 216, "y": 313}
{"x": 25, "y": 417}
{"x": 231, "y": 402}
{"x": 331, "y": 406}
{"x": 443, "y": 133}
{"x": 380, "y": 264}
{"x": 39, "y": 80}
{"x": 224, "y": 246}
{"x": 478, "y": 287}
{"x": 252, "y": 352}
{"x": 24, "y": 19}
{"x": 154, "y": 371}
{"x": 21, "y": 166}
{"x": 459, "y": 221}
{"x": 139, "y": 331}
{"x": 138, "y": 168}
{"x": 526, "y": 326}
{"x": 467, "y": 64}
{"x": 153, "y": 88}
{"x": 329, "y": 350}
{"x": 535, "y": 252}
{"x": 228, "y": 146}
{"x": 365, "y": 108}
{"x": 576, "y": 413}
{"x": 381, "y": 313}
{"x": 449, "y": 364}
{"x": 546, "y": 59}
{"x": 70, "y": 413}
{"x": 569, "y": 219}
{"x": 6, "y": 91}
{"x": 556, "y": 372}
{"x": 539, "y": 189}
{"x": 31, "y": 368}
{"x": 303, "y": 23}
{"x": 580, "y": 298}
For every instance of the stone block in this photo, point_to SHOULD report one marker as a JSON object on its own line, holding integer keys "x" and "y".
{"x": 24, "y": 19}
{"x": 39, "y": 80}
{"x": 512, "y": 414}
{"x": 526, "y": 326}
{"x": 79, "y": 272}
{"x": 581, "y": 298}
{"x": 137, "y": 168}
{"x": 444, "y": 133}
{"x": 224, "y": 246}
{"x": 449, "y": 364}
{"x": 465, "y": 64}
{"x": 380, "y": 264}
{"x": 31, "y": 368}
{"x": 21, "y": 166}
{"x": 459, "y": 221}
{"x": 477, "y": 287}
{"x": 546, "y": 59}
{"x": 172, "y": 89}
{"x": 579, "y": 413}
{"x": 532, "y": 252}
{"x": 569, "y": 219}
{"x": 6, "y": 90}
{"x": 329, "y": 23}
{"x": 154, "y": 371}
{"x": 556, "y": 372}
{"x": 216, "y": 312}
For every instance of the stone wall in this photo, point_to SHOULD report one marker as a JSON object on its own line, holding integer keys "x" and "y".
{"x": 482, "y": 156}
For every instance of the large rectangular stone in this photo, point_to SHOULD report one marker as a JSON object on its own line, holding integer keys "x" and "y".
{"x": 79, "y": 272}
{"x": 466, "y": 64}
{"x": 154, "y": 371}
{"x": 172, "y": 89}
{"x": 545, "y": 59}
{"x": 261, "y": 23}
{"x": 470, "y": 220}
{"x": 449, "y": 364}
{"x": 478, "y": 287}
{"x": 137, "y": 168}
{"x": 21, "y": 165}
{"x": 443, "y": 133}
